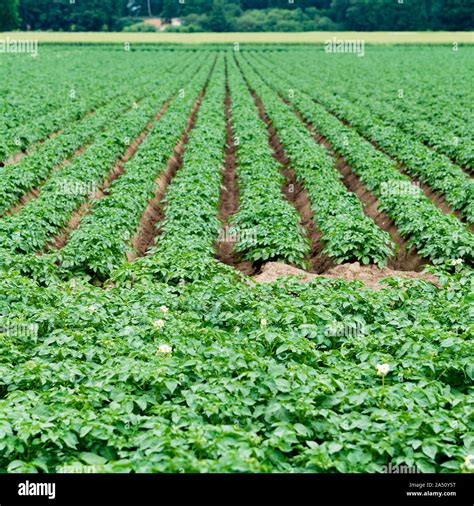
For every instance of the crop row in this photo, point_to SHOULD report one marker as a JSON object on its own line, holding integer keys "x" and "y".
{"x": 17, "y": 179}
{"x": 430, "y": 104}
{"x": 185, "y": 248}
{"x": 99, "y": 245}
{"x": 347, "y": 233}
{"x": 432, "y": 168}
{"x": 267, "y": 224}
{"x": 71, "y": 186}
{"x": 87, "y": 90}
{"x": 437, "y": 236}
{"x": 457, "y": 144}
{"x": 35, "y": 88}
{"x": 235, "y": 394}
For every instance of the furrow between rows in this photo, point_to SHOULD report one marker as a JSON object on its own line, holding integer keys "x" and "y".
{"x": 405, "y": 256}
{"x": 296, "y": 193}
{"x": 147, "y": 231}
{"x": 60, "y": 240}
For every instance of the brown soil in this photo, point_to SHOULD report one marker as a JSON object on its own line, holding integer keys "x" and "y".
{"x": 35, "y": 192}
{"x": 147, "y": 231}
{"x": 18, "y": 156}
{"x": 229, "y": 201}
{"x": 370, "y": 275}
{"x": 404, "y": 259}
{"x": 60, "y": 240}
{"x": 15, "y": 158}
{"x": 144, "y": 238}
{"x": 229, "y": 198}
{"x": 295, "y": 193}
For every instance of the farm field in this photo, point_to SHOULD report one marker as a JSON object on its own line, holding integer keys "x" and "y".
{"x": 221, "y": 260}
{"x": 438, "y": 37}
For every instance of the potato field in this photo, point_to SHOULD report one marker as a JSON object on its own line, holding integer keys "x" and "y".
{"x": 236, "y": 258}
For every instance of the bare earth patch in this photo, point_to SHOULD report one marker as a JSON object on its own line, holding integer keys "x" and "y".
{"x": 370, "y": 275}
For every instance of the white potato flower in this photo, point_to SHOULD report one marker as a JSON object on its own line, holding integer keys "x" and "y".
{"x": 469, "y": 462}
{"x": 382, "y": 369}
{"x": 165, "y": 348}
{"x": 159, "y": 324}
{"x": 263, "y": 323}
{"x": 164, "y": 309}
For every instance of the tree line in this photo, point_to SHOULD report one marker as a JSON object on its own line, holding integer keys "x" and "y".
{"x": 239, "y": 15}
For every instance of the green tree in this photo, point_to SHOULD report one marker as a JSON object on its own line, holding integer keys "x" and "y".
{"x": 171, "y": 9}
{"x": 196, "y": 7}
{"x": 386, "y": 15}
{"x": 339, "y": 10}
{"x": 252, "y": 21}
{"x": 242, "y": 15}
{"x": 9, "y": 19}
{"x": 218, "y": 21}
{"x": 452, "y": 15}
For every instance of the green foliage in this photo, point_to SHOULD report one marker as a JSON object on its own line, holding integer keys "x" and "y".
{"x": 140, "y": 27}
{"x": 282, "y": 20}
{"x": 218, "y": 18}
{"x": 99, "y": 79}
{"x": 84, "y": 15}
{"x": 186, "y": 245}
{"x": 178, "y": 363}
{"x": 246, "y": 15}
{"x": 100, "y": 243}
{"x": 70, "y": 187}
{"x": 9, "y": 18}
{"x": 419, "y": 160}
{"x": 436, "y": 235}
{"x": 17, "y": 179}
{"x": 348, "y": 233}
{"x": 91, "y": 388}
{"x": 267, "y": 224}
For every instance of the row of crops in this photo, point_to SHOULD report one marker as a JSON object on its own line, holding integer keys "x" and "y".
{"x": 414, "y": 214}
{"x": 59, "y": 178}
{"x": 126, "y": 344}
